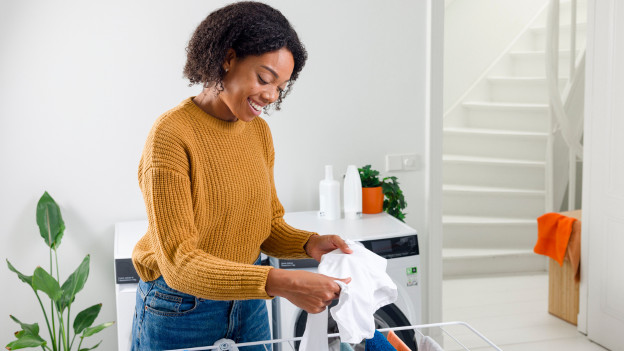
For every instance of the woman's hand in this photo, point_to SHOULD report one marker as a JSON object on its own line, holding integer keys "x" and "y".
{"x": 318, "y": 245}
{"x": 312, "y": 292}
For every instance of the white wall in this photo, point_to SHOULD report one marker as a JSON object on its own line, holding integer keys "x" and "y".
{"x": 475, "y": 33}
{"x": 82, "y": 83}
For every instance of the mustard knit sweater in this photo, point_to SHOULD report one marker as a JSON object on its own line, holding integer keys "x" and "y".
{"x": 211, "y": 205}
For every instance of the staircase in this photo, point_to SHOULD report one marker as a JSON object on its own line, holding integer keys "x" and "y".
{"x": 494, "y": 153}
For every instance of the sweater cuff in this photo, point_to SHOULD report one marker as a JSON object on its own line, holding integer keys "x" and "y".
{"x": 286, "y": 241}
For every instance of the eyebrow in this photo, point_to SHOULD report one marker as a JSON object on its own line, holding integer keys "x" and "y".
{"x": 270, "y": 70}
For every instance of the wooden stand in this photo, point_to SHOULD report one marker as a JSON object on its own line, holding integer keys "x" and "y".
{"x": 563, "y": 291}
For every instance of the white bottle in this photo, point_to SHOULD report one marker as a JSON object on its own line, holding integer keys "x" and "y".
{"x": 329, "y": 195}
{"x": 352, "y": 193}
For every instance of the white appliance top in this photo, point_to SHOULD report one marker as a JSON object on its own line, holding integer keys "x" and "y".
{"x": 369, "y": 227}
{"x": 127, "y": 234}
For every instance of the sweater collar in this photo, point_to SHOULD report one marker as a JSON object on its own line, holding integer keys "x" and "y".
{"x": 212, "y": 122}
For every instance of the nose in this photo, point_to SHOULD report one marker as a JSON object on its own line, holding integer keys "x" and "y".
{"x": 270, "y": 95}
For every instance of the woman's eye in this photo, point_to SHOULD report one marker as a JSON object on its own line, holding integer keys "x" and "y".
{"x": 262, "y": 81}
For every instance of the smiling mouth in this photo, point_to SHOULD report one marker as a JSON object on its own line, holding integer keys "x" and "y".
{"x": 254, "y": 106}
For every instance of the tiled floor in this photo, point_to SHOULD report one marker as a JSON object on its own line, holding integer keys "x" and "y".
{"x": 512, "y": 311}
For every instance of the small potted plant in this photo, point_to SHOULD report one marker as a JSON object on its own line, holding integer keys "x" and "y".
{"x": 58, "y": 317}
{"x": 374, "y": 191}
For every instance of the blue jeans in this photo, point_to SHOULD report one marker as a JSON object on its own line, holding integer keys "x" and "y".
{"x": 166, "y": 319}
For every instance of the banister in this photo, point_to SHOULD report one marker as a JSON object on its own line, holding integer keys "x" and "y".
{"x": 559, "y": 118}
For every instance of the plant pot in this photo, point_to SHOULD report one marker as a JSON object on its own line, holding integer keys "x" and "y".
{"x": 372, "y": 200}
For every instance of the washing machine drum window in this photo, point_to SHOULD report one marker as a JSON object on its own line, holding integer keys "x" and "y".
{"x": 388, "y": 316}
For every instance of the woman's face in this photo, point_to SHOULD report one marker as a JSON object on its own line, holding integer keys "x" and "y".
{"x": 253, "y": 82}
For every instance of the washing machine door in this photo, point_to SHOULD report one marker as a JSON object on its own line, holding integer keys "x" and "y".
{"x": 388, "y": 316}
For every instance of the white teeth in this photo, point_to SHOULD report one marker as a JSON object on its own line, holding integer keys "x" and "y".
{"x": 255, "y": 106}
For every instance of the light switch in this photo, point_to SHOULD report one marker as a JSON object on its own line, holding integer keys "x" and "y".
{"x": 394, "y": 163}
{"x": 402, "y": 162}
{"x": 411, "y": 162}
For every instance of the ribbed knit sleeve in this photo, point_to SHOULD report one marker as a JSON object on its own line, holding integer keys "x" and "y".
{"x": 167, "y": 195}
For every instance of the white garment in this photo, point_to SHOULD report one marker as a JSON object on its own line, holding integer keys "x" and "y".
{"x": 315, "y": 334}
{"x": 370, "y": 289}
{"x": 428, "y": 344}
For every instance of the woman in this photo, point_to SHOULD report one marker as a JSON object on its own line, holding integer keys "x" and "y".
{"x": 206, "y": 174}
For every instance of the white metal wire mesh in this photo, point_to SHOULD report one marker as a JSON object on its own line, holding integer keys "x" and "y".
{"x": 451, "y": 335}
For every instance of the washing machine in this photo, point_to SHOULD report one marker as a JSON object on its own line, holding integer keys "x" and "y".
{"x": 127, "y": 234}
{"x": 380, "y": 233}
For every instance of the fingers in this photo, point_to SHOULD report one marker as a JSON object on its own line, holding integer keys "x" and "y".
{"x": 312, "y": 292}
{"x": 345, "y": 280}
{"x": 315, "y": 310}
{"x": 341, "y": 244}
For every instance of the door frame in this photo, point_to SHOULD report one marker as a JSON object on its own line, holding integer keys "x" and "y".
{"x": 432, "y": 309}
{"x": 587, "y": 162}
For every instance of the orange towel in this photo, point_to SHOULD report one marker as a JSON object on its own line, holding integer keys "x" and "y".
{"x": 396, "y": 342}
{"x": 553, "y": 234}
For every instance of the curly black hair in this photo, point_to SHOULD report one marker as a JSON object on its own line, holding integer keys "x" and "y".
{"x": 249, "y": 28}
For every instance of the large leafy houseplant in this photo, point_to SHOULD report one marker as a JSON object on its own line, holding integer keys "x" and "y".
{"x": 58, "y": 321}
{"x": 394, "y": 201}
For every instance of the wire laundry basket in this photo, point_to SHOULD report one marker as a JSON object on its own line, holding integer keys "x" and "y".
{"x": 453, "y": 335}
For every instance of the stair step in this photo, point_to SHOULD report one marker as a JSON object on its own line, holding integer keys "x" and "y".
{"x": 538, "y": 54}
{"x": 562, "y": 27}
{"x": 475, "y": 220}
{"x": 489, "y": 232}
{"x": 465, "y": 262}
{"x": 491, "y": 190}
{"x": 533, "y": 63}
{"x": 509, "y": 144}
{"x": 520, "y": 89}
{"x": 486, "y": 171}
{"x": 539, "y": 36}
{"x": 495, "y": 132}
{"x": 506, "y": 106}
{"x": 517, "y": 116}
{"x": 490, "y": 201}
{"x": 491, "y": 160}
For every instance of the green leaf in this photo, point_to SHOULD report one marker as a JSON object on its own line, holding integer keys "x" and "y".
{"x": 25, "y": 278}
{"x": 91, "y": 348}
{"x": 26, "y": 340}
{"x": 43, "y": 281}
{"x": 96, "y": 329}
{"x": 32, "y": 329}
{"x": 395, "y": 200}
{"x": 86, "y": 317}
{"x": 50, "y": 221}
{"x": 369, "y": 177}
{"x": 27, "y": 337}
{"x": 74, "y": 283}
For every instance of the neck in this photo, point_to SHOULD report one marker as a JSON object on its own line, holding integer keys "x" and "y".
{"x": 210, "y": 102}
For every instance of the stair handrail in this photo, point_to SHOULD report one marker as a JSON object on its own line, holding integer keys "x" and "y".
{"x": 559, "y": 119}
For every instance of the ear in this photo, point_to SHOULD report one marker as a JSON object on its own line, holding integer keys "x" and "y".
{"x": 230, "y": 58}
